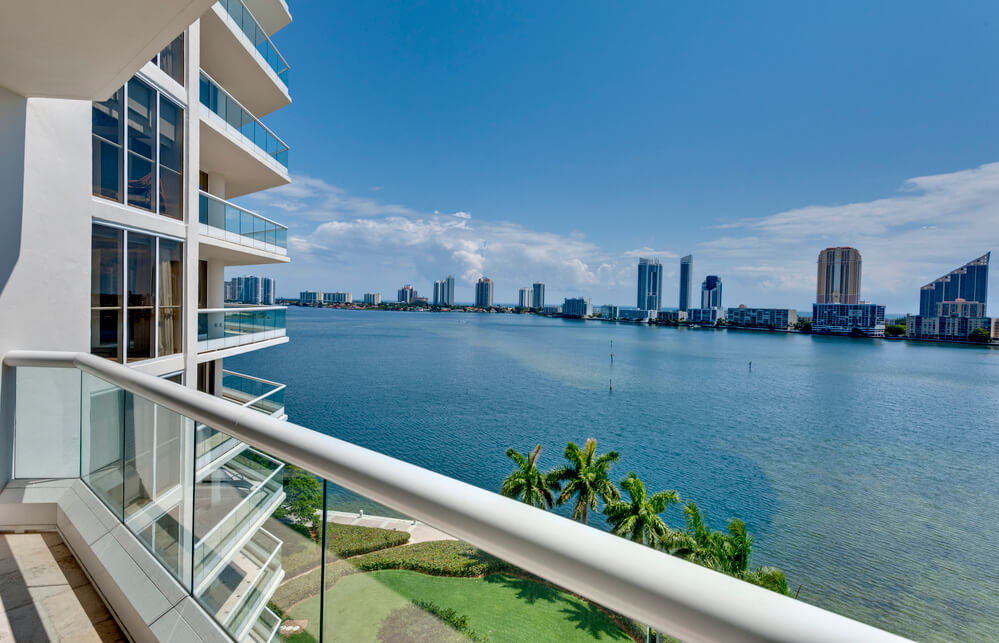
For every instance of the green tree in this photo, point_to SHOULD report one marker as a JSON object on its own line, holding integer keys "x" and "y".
{"x": 638, "y": 519}
{"x": 526, "y": 482}
{"x": 587, "y": 477}
{"x": 303, "y": 501}
{"x": 895, "y": 330}
{"x": 980, "y": 335}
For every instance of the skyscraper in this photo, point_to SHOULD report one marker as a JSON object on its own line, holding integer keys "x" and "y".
{"x": 484, "y": 292}
{"x": 650, "y": 284}
{"x": 970, "y": 282}
{"x": 406, "y": 295}
{"x": 526, "y": 299}
{"x": 444, "y": 292}
{"x": 538, "y": 298}
{"x": 711, "y": 292}
{"x": 838, "y": 276}
{"x": 686, "y": 281}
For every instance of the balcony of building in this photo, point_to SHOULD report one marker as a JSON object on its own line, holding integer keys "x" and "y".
{"x": 236, "y": 144}
{"x": 254, "y": 393}
{"x": 232, "y": 572}
{"x": 273, "y": 15}
{"x": 224, "y": 332}
{"x": 85, "y": 50}
{"x": 237, "y": 236}
{"x": 238, "y": 53}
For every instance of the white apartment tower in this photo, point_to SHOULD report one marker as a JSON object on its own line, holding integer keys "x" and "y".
{"x": 119, "y": 164}
{"x": 526, "y": 298}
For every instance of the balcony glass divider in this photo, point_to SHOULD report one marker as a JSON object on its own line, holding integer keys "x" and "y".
{"x": 261, "y": 41}
{"x": 225, "y": 220}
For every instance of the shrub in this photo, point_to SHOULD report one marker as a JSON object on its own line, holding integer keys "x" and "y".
{"x": 353, "y": 540}
{"x": 437, "y": 558}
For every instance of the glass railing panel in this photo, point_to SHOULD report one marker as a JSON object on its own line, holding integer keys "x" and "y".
{"x": 226, "y": 107}
{"x": 261, "y": 42}
{"x": 237, "y": 326}
{"x": 391, "y": 578}
{"x": 48, "y": 401}
{"x": 255, "y": 393}
{"x": 225, "y": 216}
{"x": 257, "y": 555}
{"x": 137, "y": 456}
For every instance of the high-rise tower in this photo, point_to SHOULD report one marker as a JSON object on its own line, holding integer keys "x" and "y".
{"x": 970, "y": 282}
{"x": 650, "y": 284}
{"x": 711, "y": 292}
{"x": 838, "y": 276}
{"x": 686, "y": 281}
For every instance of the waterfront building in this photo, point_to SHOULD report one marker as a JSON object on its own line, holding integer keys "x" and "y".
{"x": 484, "y": 293}
{"x": 538, "y": 297}
{"x": 311, "y": 297}
{"x": 686, "y": 281}
{"x": 838, "y": 279}
{"x": 421, "y": 301}
{"x": 251, "y": 290}
{"x": 994, "y": 330}
{"x": 373, "y": 298}
{"x": 636, "y": 314}
{"x": 129, "y": 130}
{"x": 650, "y": 284}
{"x": 444, "y": 292}
{"x": 953, "y": 327}
{"x": 711, "y": 292}
{"x": 671, "y": 316}
{"x": 577, "y": 307}
{"x": 338, "y": 298}
{"x": 969, "y": 283}
{"x": 863, "y": 318}
{"x": 525, "y": 298}
{"x": 610, "y": 312}
{"x": 552, "y": 310}
{"x": 407, "y": 295}
{"x": 711, "y": 315}
{"x": 776, "y": 318}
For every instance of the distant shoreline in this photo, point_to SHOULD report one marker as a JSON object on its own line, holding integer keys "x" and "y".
{"x": 509, "y": 310}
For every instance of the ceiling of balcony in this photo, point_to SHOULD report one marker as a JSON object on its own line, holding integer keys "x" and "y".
{"x": 85, "y": 50}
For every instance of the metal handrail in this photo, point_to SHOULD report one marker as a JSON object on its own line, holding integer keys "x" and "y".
{"x": 240, "y": 309}
{"x": 681, "y": 598}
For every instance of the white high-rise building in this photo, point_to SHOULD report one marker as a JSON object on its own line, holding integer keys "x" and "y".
{"x": 444, "y": 292}
{"x": 526, "y": 298}
{"x": 125, "y": 139}
{"x": 372, "y": 298}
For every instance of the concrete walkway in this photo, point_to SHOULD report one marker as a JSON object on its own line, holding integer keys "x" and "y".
{"x": 418, "y": 532}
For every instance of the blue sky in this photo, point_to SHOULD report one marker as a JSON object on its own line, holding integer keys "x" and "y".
{"x": 559, "y": 141}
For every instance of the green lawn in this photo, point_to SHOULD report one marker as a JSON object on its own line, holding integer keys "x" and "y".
{"x": 500, "y": 607}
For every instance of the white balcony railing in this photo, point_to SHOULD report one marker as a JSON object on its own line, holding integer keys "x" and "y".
{"x": 675, "y": 596}
{"x": 220, "y": 328}
{"x": 224, "y": 220}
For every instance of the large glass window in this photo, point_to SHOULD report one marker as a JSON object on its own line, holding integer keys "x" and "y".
{"x": 171, "y": 59}
{"x": 106, "y": 292}
{"x": 139, "y": 159}
{"x": 141, "y": 320}
{"x": 106, "y": 123}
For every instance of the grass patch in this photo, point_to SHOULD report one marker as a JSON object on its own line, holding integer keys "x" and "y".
{"x": 423, "y": 621}
{"x": 353, "y": 540}
{"x": 498, "y": 607}
{"x": 436, "y": 557}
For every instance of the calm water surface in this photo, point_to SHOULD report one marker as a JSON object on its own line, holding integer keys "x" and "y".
{"x": 867, "y": 470}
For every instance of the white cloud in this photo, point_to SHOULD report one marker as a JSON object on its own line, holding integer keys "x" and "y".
{"x": 646, "y": 251}
{"x": 318, "y": 200}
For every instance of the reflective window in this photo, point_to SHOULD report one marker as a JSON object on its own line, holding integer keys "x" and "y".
{"x": 138, "y": 160}
{"x": 107, "y": 153}
{"x": 171, "y": 59}
{"x": 143, "y": 319}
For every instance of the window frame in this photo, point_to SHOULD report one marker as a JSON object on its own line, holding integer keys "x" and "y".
{"x": 123, "y": 328}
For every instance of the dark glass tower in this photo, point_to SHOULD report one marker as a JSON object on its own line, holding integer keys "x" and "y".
{"x": 969, "y": 282}
{"x": 686, "y": 281}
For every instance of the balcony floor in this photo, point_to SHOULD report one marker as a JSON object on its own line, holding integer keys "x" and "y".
{"x": 46, "y": 596}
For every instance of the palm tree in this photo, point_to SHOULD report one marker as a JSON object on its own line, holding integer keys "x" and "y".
{"x": 639, "y": 519}
{"x": 526, "y": 482}
{"x": 587, "y": 476}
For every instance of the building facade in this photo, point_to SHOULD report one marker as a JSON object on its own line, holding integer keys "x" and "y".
{"x": 577, "y": 307}
{"x": 710, "y": 316}
{"x": 849, "y": 319}
{"x": 525, "y": 298}
{"x": 711, "y": 292}
{"x": 650, "y": 284}
{"x": 969, "y": 283}
{"x": 260, "y": 291}
{"x": 538, "y": 296}
{"x": 311, "y": 297}
{"x": 776, "y": 318}
{"x": 671, "y": 316}
{"x": 686, "y": 281}
{"x": 444, "y": 292}
{"x": 406, "y": 295}
{"x": 373, "y": 298}
{"x": 484, "y": 293}
{"x": 951, "y": 328}
{"x": 338, "y": 298}
{"x": 838, "y": 280}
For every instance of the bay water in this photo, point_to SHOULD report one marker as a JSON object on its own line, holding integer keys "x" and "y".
{"x": 868, "y": 470}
